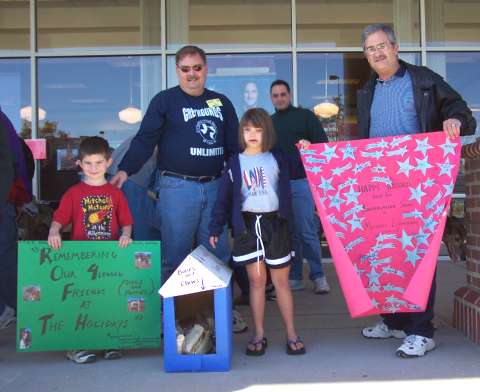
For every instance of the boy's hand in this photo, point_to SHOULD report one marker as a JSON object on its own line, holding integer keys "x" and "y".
{"x": 54, "y": 239}
{"x": 213, "y": 241}
{"x": 124, "y": 241}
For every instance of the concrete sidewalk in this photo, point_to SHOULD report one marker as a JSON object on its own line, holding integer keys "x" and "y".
{"x": 337, "y": 358}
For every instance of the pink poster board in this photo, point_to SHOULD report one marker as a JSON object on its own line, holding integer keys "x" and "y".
{"x": 38, "y": 148}
{"x": 383, "y": 205}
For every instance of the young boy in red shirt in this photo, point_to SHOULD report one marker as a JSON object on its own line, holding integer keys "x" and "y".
{"x": 97, "y": 211}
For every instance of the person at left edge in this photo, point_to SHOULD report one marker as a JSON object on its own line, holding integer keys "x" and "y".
{"x": 195, "y": 130}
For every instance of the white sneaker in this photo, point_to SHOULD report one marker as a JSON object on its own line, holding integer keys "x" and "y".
{"x": 415, "y": 346}
{"x": 239, "y": 324}
{"x": 7, "y": 318}
{"x": 296, "y": 285}
{"x": 381, "y": 331}
{"x": 81, "y": 356}
{"x": 321, "y": 286}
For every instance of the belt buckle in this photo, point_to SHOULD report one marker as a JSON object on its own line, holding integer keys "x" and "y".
{"x": 204, "y": 179}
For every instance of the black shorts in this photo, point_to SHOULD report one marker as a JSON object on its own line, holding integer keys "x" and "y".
{"x": 275, "y": 237}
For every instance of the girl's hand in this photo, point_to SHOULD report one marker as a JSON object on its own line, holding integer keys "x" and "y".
{"x": 124, "y": 241}
{"x": 304, "y": 143}
{"x": 213, "y": 241}
{"x": 54, "y": 239}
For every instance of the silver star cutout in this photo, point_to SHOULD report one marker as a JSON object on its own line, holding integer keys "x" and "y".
{"x": 348, "y": 151}
{"x": 329, "y": 152}
{"x": 352, "y": 196}
{"x": 423, "y": 165}
{"x": 423, "y": 146}
{"x": 416, "y": 193}
{"x": 404, "y": 167}
{"x": 448, "y": 147}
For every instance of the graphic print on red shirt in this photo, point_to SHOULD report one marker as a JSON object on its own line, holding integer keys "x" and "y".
{"x": 97, "y": 217}
{"x": 95, "y": 212}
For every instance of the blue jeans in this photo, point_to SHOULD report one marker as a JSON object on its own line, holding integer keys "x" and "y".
{"x": 8, "y": 257}
{"x": 146, "y": 226}
{"x": 185, "y": 209}
{"x": 306, "y": 224}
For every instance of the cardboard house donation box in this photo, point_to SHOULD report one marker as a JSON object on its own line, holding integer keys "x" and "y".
{"x": 197, "y": 315}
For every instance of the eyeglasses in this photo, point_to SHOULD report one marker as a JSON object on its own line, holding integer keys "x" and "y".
{"x": 372, "y": 49}
{"x": 188, "y": 68}
{"x": 276, "y": 95}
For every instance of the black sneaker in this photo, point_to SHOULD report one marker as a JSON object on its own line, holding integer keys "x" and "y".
{"x": 270, "y": 293}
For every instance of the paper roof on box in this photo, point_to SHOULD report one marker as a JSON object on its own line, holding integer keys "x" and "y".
{"x": 200, "y": 271}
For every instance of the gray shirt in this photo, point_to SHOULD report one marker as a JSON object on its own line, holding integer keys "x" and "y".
{"x": 259, "y": 182}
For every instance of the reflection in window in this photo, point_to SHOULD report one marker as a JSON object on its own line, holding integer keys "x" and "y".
{"x": 244, "y": 79}
{"x": 340, "y": 22}
{"x": 84, "y": 97}
{"x": 452, "y": 22}
{"x": 15, "y": 92}
{"x": 14, "y": 25}
{"x": 458, "y": 68}
{"x": 335, "y": 78}
{"x": 107, "y": 23}
{"x": 215, "y": 24}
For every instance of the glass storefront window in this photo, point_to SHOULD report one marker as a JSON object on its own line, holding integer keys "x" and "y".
{"x": 214, "y": 24}
{"x": 67, "y": 24}
{"x": 335, "y": 78}
{"x": 459, "y": 70}
{"x": 15, "y": 92}
{"x": 339, "y": 23}
{"x": 14, "y": 26}
{"x": 452, "y": 22}
{"x": 86, "y": 97}
{"x": 244, "y": 79}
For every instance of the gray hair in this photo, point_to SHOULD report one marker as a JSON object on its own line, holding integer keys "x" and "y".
{"x": 373, "y": 28}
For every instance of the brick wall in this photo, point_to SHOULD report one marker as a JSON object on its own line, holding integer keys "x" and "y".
{"x": 466, "y": 310}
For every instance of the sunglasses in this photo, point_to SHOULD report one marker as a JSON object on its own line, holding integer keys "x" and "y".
{"x": 279, "y": 95}
{"x": 188, "y": 68}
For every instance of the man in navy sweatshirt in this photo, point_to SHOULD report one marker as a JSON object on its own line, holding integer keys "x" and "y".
{"x": 196, "y": 130}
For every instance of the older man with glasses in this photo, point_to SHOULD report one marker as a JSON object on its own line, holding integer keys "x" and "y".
{"x": 298, "y": 125}
{"x": 400, "y": 99}
{"x": 196, "y": 130}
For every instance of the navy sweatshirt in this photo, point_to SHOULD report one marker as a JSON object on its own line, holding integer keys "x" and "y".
{"x": 228, "y": 206}
{"x": 194, "y": 135}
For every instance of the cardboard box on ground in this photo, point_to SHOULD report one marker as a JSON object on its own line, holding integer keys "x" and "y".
{"x": 192, "y": 285}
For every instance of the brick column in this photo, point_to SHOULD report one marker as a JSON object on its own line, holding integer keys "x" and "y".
{"x": 466, "y": 310}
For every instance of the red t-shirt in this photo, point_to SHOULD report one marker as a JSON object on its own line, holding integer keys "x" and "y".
{"x": 95, "y": 212}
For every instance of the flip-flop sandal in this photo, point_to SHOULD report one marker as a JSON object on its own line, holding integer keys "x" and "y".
{"x": 256, "y": 342}
{"x": 297, "y": 351}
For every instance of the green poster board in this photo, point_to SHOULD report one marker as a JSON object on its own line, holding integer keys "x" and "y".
{"x": 88, "y": 295}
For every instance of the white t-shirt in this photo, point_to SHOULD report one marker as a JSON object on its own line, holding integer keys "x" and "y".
{"x": 259, "y": 182}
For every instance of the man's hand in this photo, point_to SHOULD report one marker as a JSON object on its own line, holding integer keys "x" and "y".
{"x": 213, "y": 241}
{"x": 451, "y": 127}
{"x": 304, "y": 143}
{"x": 119, "y": 179}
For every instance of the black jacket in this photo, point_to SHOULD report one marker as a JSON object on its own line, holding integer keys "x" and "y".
{"x": 435, "y": 101}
